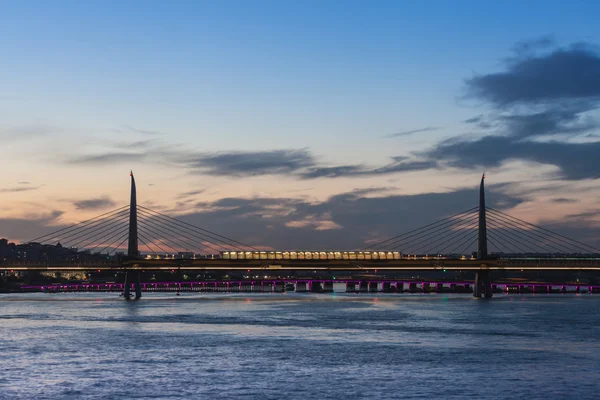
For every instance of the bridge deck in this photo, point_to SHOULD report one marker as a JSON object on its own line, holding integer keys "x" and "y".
{"x": 328, "y": 265}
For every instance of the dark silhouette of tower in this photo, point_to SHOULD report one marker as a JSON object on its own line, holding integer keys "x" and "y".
{"x": 133, "y": 252}
{"x": 483, "y": 281}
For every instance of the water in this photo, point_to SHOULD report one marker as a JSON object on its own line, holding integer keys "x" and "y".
{"x": 299, "y": 346}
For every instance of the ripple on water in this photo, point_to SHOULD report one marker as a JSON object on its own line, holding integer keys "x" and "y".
{"x": 93, "y": 346}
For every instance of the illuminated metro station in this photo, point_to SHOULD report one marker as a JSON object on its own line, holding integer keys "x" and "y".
{"x": 322, "y": 255}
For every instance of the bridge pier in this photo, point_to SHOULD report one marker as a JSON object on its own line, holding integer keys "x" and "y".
{"x": 316, "y": 287}
{"x": 483, "y": 284}
{"x": 363, "y": 286}
{"x": 132, "y": 278}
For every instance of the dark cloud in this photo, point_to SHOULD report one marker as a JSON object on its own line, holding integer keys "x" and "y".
{"x": 580, "y": 227}
{"x": 345, "y": 221}
{"x": 399, "y": 164}
{"x": 18, "y": 189}
{"x": 28, "y": 228}
{"x": 189, "y": 194}
{"x": 333, "y": 172}
{"x": 547, "y": 95}
{"x": 570, "y": 74}
{"x": 473, "y": 120}
{"x": 413, "y": 131}
{"x": 294, "y": 163}
{"x": 249, "y": 163}
{"x": 94, "y": 204}
{"x": 143, "y": 131}
{"x": 563, "y": 200}
{"x": 108, "y": 158}
{"x": 555, "y": 121}
{"x": 529, "y": 47}
{"x": 575, "y": 160}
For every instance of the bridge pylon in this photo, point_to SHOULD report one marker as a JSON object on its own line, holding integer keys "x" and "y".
{"x": 133, "y": 252}
{"x": 483, "y": 279}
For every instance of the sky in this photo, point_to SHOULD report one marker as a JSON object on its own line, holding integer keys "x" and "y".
{"x": 313, "y": 124}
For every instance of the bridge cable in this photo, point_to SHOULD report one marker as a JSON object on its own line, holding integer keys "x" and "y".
{"x": 420, "y": 228}
{"x": 476, "y": 237}
{"x": 157, "y": 226}
{"x": 524, "y": 235}
{"x": 424, "y": 235}
{"x": 468, "y": 233}
{"x": 507, "y": 247}
{"x": 123, "y": 232}
{"x": 432, "y": 231}
{"x": 181, "y": 233}
{"x": 147, "y": 230}
{"x": 456, "y": 230}
{"x": 494, "y": 244}
{"x": 106, "y": 238}
{"x": 505, "y": 234}
{"x": 197, "y": 228}
{"x": 546, "y": 230}
{"x": 521, "y": 233}
{"x": 119, "y": 245}
{"x": 543, "y": 238}
{"x": 150, "y": 219}
{"x": 421, "y": 231}
{"x": 464, "y": 238}
{"x": 83, "y": 230}
{"x": 75, "y": 225}
{"x": 156, "y": 237}
{"x": 510, "y": 240}
{"x": 147, "y": 245}
{"x": 95, "y": 235}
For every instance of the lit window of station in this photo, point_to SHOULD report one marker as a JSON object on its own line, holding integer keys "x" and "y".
{"x": 311, "y": 255}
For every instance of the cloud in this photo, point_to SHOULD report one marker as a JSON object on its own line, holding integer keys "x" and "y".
{"x": 563, "y": 200}
{"x": 296, "y": 163}
{"x": 575, "y": 160}
{"x": 553, "y": 121}
{"x": 94, "y": 204}
{"x": 345, "y": 221}
{"x": 473, "y": 120}
{"x": 399, "y": 164}
{"x": 19, "y": 189}
{"x": 249, "y": 163}
{"x": 28, "y": 228}
{"x": 571, "y": 73}
{"x": 190, "y": 194}
{"x": 413, "y": 131}
{"x": 539, "y": 105}
{"x": 143, "y": 131}
{"x": 108, "y": 158}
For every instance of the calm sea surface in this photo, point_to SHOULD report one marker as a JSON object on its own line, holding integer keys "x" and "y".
{"x": 299, "y": 346}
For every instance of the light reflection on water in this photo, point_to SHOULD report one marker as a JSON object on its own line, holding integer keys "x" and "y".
{"x": 92, "y": 345}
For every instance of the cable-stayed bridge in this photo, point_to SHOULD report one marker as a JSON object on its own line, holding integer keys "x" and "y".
{"x": 135, "y": 238}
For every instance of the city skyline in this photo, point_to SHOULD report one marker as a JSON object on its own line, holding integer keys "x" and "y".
{"x": 322, "y": 127}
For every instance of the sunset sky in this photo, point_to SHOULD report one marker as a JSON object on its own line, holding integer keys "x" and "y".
{"x": 307, "y": 124}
